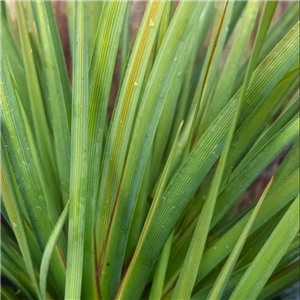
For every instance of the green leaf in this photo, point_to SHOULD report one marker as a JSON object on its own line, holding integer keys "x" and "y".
{"x": 160, "y": 270}
{"x": 244, "y": 176}
{"x": 125, "y": 41}
{"x": 123, "y": 119}
{"x": 35, "y": 250}
{"x": 281, "y": 281}
{"x": 223, "y": 90}
{"x": 205, "y": 20}
{"x": 94, "y": 17}
{"x": 70, "y": 13}
{"x": 79, "y": 147}
{"x": 7, "y": 271}
{"x": 102, "y": 63}
{"x": 159, "y": 276}
{"x": 11, "y": 250}
{"x": 281, "y": 194}
{"x": 49, "y": 250}
{"x": 238, "y": 10}
{"x": 287, "y": 20}
{"x": 274, "y": 202}
{"x": 16, "y": 63}
{"x": 290, "y": 112}
{"x": 281, "y": 276}
{"x": 249, "y": 132}
{"x": 58, "y": 89}
{"x": 12, "y": 185}
{"x": 4, "y": 212}
{"x": 160, "y": 81}
{"x": 192, "y": 171}
{"x": 265, "y": 262}
{"x": 12, "y": 207}
{"x": 261, "y": 115}
{"x": 221, "y": 281}
{"x": 36, "y": 102}
{"x": 13, "y": 266}
{"x": 7, "y": 292}
{"x": 3, "y": 10}
{"x": 188, "y": 274}
{"x": 209, "y": 70}
{"x": 164, "y": 126}
{"x": 257, "y": 239}
{"x": 155, "y": 212}
{"x": 26, "y": 165}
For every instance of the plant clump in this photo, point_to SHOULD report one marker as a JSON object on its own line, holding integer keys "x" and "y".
{"x": 142, "y": 204}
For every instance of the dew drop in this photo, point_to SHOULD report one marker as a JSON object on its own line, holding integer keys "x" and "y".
{"x": 214, "y": 148}
{"x": 14, "y": 225}
{"x": 151, "y": 23}
{"x": 135, "y": 83}
{"x": 175, "y": 58}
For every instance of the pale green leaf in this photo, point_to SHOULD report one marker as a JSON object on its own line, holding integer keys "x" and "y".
{"x": 47, "y": 255}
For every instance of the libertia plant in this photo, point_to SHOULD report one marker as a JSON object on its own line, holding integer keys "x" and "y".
{"x": 143, "y": 204}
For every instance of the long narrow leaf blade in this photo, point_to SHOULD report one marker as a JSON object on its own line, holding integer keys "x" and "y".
{"x": 79, "y": 132}
{"x": 263, "y": 265}
{"x": 49, "y": 250}
{"x": 14, "y": 214}
{"x": 58, "y": 89}
{"x": 219, "y": 286}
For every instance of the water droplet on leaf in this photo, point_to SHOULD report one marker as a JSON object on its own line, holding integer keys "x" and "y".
{"x": 151, "y": 23}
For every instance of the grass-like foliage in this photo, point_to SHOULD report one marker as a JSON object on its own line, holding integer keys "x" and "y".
{"x": 143, "y": 204}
